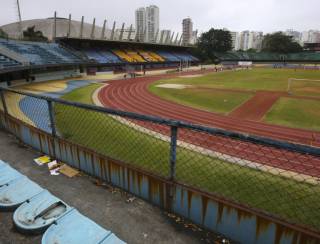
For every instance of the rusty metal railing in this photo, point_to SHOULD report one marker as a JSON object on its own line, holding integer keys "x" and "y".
{"x": 276, "y": 178}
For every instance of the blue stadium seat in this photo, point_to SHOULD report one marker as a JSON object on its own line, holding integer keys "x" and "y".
{"x": 37, "y": 209}
{"x": 184, "y": 56}
{"x": 2, "y": 164}
{"x": 177, "y": 56}
{"x": 8, "y": 174}
{"x": 39, "y": 53}
{"x": 168, "y": 56}
{"x": 6, "y": 62}
{"x": 74, "y": 228}
{"x": 17, "y": 192}
{"x": 102, "y": 56}
{"x": 37, "y": 214}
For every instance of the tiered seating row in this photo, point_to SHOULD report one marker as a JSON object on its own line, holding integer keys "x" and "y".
{"x": 36, "y": 211}
{"x": 169, "y": 56}
{"x": 136, "y": 56}
{"x": 6, "y": 62}
{"x": 102, "y": 56}
{"x": 185, "y": 56}
{"x": 262, "y": 56}
{"x": 151, "y": 56}
{"x": 41, "y": 53}
{"x": 304, "y": 56}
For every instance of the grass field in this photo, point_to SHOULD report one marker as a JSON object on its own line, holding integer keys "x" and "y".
{"x": 297, "y": 113}
{"x": 305, "y": 88}
{"x": 239, "y": 86}
{"x": 205, "y": 99}
{"x": 286, "y": 198}
{"x": 250, "y": 80}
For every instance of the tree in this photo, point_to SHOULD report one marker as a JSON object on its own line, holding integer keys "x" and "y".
{"x": 215, "y": 40}
{"x": 3, "y": 34}
{"x": 280, "y": 43}
{"x": 252, "y": 50}
{"x": 31, "y": 35}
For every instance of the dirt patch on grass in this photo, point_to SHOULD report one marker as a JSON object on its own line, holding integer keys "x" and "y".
{"x": 174, "y": 86}
{"x": 312, "y": 90}
{"x": 256, "y": 107}
{"x": 191, "y": 76}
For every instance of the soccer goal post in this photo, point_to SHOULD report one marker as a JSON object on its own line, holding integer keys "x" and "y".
{"x": 291, "y": 82}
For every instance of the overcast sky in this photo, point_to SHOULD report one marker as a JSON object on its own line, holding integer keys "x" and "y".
{"x": 238, "y": 15}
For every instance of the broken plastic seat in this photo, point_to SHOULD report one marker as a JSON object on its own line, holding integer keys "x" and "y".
{"x": 74, "y": 228}
{"x": 38, "y": 213}
{"x": 8, "y": 174}
{"x": 17, "y": 192}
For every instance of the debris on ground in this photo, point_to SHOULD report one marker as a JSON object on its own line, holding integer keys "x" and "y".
{"x": 54, "y": 167}
{"x": 110, "y": 188}
{"x": 205, "y": 235}
{"x": 68, "y": 171}
{"x": 98, "y": 182}
{"x": 42, "y": 160}
{"x": 115, "y": 190}
{"x": 130, "y": 199}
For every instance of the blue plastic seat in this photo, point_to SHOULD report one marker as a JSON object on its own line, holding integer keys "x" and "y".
{"x": 8, "y": 174}
{"x": 38, "y": 213}
{"x": 17, "y": 192}
{"x": 40, "y": 53}
{"x": 2, "y": 164}
{"x": 7, "y": 62}
{"x": 112, "y": 239}
{"x": 74, "y": 228}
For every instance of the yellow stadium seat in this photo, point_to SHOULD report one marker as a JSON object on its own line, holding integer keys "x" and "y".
{"x": 135, "y": 56}
{"x": 146, "y": 56}
{"x": 123, "y": 56}
{"x": 156, "y": 56}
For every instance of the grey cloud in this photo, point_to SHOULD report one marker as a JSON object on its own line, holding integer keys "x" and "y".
{"x": 267, "y": 15}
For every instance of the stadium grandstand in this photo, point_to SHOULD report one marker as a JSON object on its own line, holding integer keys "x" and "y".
{"x": 312, "y": 57}
{"x": 37, "y": 53}
{"x": 22, "y": 59}
{"x": 78, "y": 47}
{"x": 6, "y": 62}
{"x": 115, "y": 52}
{"x": 315, "y": 47}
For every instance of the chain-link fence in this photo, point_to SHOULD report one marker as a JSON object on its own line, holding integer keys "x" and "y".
{"x": 278, "y": 178}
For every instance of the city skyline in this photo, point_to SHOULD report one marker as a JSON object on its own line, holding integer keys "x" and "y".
{"x": 146, "y": 28}
{"x": 268, "y": 17}
{"x": 247, "y": 39}
{"x": 147, "y": 23}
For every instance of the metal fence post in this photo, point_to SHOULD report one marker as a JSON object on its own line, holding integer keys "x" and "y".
{"x": 3, "y": 100}
{"x": 173, "y": 151}
{"x": 5, "y": 109}
{"x": 52, "y": 125}
{"x": 52, "y": 120}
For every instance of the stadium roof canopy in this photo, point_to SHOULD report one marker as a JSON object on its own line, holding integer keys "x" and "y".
{"x": 118, "y": 42}
{"x": 46, "y": 26}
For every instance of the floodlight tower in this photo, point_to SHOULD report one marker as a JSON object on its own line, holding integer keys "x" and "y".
{"x": 19, "y": 18}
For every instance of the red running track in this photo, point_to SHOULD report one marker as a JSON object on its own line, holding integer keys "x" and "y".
{"x": 133, "y": 95}
{"x": 257, "y": 106}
